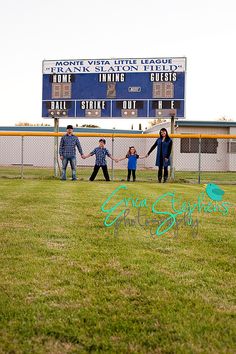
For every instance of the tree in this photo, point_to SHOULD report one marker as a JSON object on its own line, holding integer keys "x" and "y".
{"x": 89, "y": 126}
{"x": 27, "y": 124}
{"x": 156, "y": 121}
{"x": 225, "y": 119}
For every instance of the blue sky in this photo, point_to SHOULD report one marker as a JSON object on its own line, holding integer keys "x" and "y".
{"x": 203, "y": 31}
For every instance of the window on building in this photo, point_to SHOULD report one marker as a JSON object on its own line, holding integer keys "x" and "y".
{"x": 188, "y": 145}
{"x": 231, "y": 146}
{"x": 208, "y": 146}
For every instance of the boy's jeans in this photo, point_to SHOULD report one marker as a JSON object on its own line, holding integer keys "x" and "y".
{"x": 72, "y": 161}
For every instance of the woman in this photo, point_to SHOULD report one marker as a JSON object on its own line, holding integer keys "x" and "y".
{"x": 164, "y": 146}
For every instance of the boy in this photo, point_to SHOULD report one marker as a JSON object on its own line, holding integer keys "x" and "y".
{"x": 101, "y": 152}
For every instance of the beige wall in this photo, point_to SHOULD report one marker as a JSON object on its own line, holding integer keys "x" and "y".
{"x": 209, "y": 162}
{"x": 232, "y": 156}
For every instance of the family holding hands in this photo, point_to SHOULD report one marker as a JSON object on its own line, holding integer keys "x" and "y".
{"x": 68, "y": 154}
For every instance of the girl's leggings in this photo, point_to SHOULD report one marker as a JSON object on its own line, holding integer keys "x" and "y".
{"x": 129, "y": 174}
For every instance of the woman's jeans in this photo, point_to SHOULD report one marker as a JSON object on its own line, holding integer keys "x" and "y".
{"x": 65, "y": 161}
{"x": 160, "y": 171}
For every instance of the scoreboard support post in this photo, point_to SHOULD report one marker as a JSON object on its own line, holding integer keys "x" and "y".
{"x": 172, "y": 170}
{"x": 56, "y": 130}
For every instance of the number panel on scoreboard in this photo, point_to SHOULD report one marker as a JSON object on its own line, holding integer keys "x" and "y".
{"x": 148, "y": 91}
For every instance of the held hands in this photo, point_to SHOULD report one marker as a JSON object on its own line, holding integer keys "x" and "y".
{"x": 120, "y": 159}
{"x": 85, "y": 156}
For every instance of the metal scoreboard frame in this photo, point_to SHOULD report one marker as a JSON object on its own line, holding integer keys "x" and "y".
{"x": 114, "y": 88}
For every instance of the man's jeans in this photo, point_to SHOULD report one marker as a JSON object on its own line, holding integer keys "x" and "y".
{"x": 65, "y": 161}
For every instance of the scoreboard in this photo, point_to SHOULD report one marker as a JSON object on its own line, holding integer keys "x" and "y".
{"x": 114, "y": 88}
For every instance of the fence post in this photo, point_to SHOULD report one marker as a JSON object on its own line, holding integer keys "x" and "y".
{"x": 199, "y": 160}
{"x": 112, "y": 154}
{"x": 22, "y": 157}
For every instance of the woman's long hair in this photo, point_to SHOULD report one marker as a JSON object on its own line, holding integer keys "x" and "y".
{"x": 167, "y": 135}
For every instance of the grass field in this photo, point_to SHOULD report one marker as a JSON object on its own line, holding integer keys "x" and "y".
{"x": 69, "y": 285}
{"x": 147, "y": 175}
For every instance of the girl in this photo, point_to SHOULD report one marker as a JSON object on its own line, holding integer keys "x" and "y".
{"x": 132, "y": 157}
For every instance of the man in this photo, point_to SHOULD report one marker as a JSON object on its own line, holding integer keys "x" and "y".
{"x": 67, "y": 152}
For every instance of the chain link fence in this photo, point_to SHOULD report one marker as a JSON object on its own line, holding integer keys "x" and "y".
{"x": 194, "y": 159}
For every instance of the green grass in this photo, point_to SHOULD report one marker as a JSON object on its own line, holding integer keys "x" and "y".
{"x": 148, "y": 175}
{"x": 68, "y": 285}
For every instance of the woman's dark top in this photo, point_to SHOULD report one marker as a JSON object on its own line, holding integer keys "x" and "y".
{"x": 163, "y": 151}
